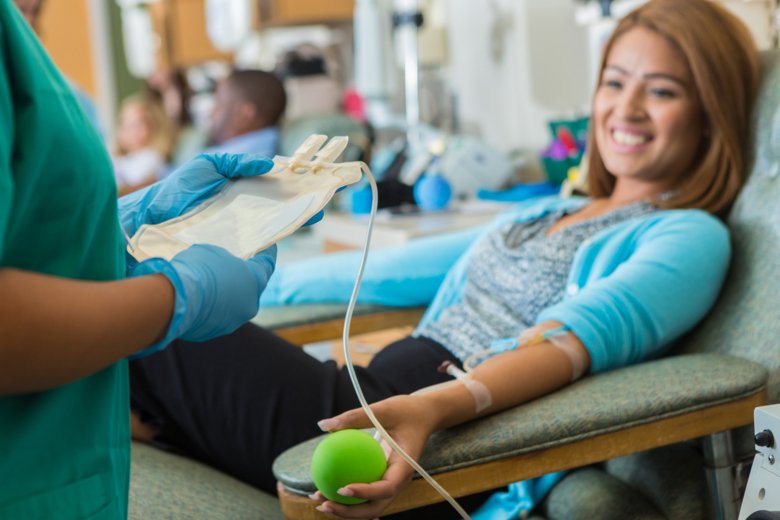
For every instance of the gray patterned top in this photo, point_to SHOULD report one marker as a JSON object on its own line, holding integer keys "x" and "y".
{"x": 516, "y": 272}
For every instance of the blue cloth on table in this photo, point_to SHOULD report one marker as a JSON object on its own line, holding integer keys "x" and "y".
{"x": 520, "y": 192}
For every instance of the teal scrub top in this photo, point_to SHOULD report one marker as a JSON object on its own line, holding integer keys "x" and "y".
{"x": 64, "y": 453}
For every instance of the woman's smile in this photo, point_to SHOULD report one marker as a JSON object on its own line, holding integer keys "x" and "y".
{"x": 629, "y": 140}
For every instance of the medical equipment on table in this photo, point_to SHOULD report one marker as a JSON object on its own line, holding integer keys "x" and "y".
{"x": 761, "y": 500}
{"x": 252, "y": 213}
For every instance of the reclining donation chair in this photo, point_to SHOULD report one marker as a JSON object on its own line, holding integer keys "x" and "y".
{"x": 729, "y": 365}
{"x": 720, "y": 373}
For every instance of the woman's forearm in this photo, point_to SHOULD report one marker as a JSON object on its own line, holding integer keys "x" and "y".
{"x": 56, "y": 330}
{"x": 510, "y": 378}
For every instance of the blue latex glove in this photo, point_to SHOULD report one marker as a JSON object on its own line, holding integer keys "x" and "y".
{"x": 185, "y": 188}
{"x": 215, "y": 292}
{"x": 316, "y": 218}
{"x": 188, "y": 186}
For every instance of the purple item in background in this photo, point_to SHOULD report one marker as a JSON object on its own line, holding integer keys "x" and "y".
{"x": 556, "y": 151}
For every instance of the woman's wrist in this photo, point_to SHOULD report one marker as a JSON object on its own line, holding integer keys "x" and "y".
{"x": 446, "y": 405}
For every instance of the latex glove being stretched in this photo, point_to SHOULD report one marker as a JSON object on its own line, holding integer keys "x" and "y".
{"x": 215, "y": 291}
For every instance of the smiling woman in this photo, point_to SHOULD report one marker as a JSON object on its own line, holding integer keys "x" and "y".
{"x": 673, "y": 103}
{"x": 647, "y": 118}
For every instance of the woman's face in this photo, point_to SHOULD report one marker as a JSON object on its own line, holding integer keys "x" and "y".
{"x": 646, "y": 114}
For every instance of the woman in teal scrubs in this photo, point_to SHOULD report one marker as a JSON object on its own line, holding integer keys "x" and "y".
{"x": 68, "y": 315}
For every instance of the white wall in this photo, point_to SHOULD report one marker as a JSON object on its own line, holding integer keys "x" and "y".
{"x": 545, "y": 71}
{"x": 537, "y": 75}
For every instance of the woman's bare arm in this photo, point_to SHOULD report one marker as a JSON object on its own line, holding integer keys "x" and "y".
{"x": 512, "y": 378}
{"x": 55, "y": 330}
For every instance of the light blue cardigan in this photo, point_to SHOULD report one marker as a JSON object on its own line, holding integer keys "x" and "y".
{"x": 633, "y": 288}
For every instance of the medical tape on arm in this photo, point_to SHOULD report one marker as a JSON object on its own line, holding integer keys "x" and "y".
{"x": 482, "y": 397}
{"x": 569, "y": 345}
{"x": 561, "y": 338}
{"x": 481, "y": 394}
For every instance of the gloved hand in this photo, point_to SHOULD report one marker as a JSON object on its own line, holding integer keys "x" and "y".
{"x": 188, "y": 186}
{"x": 316, "y": 218}
{"x": 215, "y": 292}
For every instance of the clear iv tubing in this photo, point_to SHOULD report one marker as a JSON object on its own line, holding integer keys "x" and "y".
{"x": 471, "y": 361}
{"x": 351, "y": 370}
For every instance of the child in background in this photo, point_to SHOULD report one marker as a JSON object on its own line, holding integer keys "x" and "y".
{"x": 143, "y": 144}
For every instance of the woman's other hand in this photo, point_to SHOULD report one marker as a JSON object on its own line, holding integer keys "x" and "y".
{"x": 409, "y": 421}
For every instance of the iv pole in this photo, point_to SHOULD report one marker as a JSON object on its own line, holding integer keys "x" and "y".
{"x": 373, "y": 79}
{"x": 406, "y": 20}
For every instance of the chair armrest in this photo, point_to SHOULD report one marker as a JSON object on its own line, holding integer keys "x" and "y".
{"x": 600, "y": 417}
{"x": 164, "y": 485}
{"x": 309, "y": 323}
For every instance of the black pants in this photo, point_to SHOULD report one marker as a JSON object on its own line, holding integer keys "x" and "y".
{"x": 238, "y": 401}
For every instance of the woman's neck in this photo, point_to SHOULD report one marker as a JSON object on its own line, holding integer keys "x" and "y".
{"x": 629, "y": 192}
{"x": 594, "y": 208}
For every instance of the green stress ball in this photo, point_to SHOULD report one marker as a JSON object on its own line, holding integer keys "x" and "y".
{"x": 346, "y": 457}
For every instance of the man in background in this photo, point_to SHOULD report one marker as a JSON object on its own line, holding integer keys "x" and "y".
{"x": 248, "y": 106}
